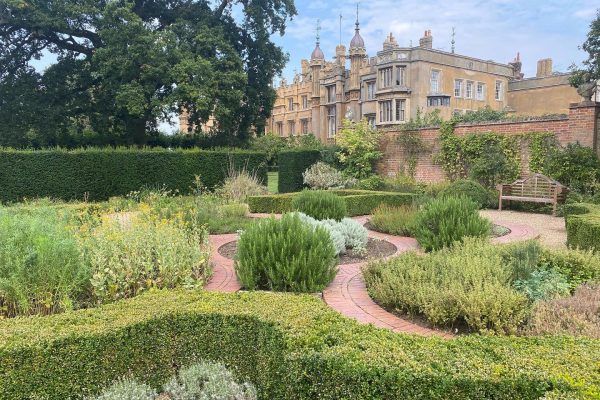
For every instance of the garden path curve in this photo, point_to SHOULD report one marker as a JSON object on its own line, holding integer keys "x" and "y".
{"x": 347, "y": 293}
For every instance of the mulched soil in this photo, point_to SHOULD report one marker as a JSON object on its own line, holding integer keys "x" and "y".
{"x": 375, "y": 249}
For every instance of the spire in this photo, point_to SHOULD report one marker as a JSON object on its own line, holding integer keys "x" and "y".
{"x": 453, "y": 42}
{"x": 357, "y": 40}
{"x": 317, "y": 53}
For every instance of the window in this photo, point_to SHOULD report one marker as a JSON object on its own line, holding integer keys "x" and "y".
{"x": 458, "y": 87}
{"x": 371, "y": 90}
{"x": 480, "y": 91}
{"x": 304, "y": 126}
{"x": 304, "y": 102}
{"x": 385, "y": 77}
{"x": 499, "y": 90}
{"x": 400, "y": 110}
{"x": 401, "y": 76}
{"x": 435, "y": 81}
{"x": 280, "y": 128}
{"x": 385, "y": 111}
{"x": 331, "y": 128}
{"x": 291, "y": 128}
{"x": 290, "y": 104}
{"x": 438, "y": 101}
{"x": 371, "y": 120}
{"x": 331, "y": 94}
{"x": 469, "y": 90}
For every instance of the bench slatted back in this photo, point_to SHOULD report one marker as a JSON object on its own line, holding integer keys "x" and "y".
{"x": 536, "y": 186}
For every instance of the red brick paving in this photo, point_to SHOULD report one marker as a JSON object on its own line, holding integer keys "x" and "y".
{"x": 348, "y": 294}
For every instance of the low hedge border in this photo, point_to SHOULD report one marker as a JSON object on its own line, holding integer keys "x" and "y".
{"x": 99, "y": 174}
{"x": 358, "y": 202}
{"x": 583, "y": 226}
{"x": 289, "y": 346}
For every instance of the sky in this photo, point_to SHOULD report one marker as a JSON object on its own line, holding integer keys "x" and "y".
{"x": 490, "y": 30}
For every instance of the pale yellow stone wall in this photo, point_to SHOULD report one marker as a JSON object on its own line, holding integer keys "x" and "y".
{"x": 539, "y": 96}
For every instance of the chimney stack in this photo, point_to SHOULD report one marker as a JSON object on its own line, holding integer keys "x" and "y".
{"x": 427, "y": 40}
{"x": 340, "y": 54}
{"x": 544, "y": 68}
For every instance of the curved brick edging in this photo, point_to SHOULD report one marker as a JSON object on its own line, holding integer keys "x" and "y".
{"x": 347, "y": 293}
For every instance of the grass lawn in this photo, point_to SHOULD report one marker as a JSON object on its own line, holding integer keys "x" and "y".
{"x": 273, "y": 181}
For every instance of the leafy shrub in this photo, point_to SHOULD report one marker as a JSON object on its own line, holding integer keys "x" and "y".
{"x": 288, "y": 346}
{"x": 292, "y": 164}
{"x": 127, "y": 389}
{"x": 355, "y": 235}
{"x": 285, "y": 255}
{"x": 401, "y": 183}
{"x": 240, "y": 184}
{"x": 337, "y": 238}
{"x": 207, "y": 380}
{"x": 543, "y": 284}
{"x": 320, "y": 204}
{"x": 575, "y": 166}
{"x": 578, "y": 315}
{"x": 468, "y": 284}
{"x": 98, "y": 174}
{"x": 394, "y": 220}
{"x": 470, "y": 189}
{"x": 41, "y": 269}
{"x": 358, "y": 202}
{"x": 447, "y": 220}
{"x": 323, "y": 176}
{"x": 373, "y": 182}
{"x": 578, "y": 266}
{"x": 145, "y": 252}
{"x": 359, "y": 148}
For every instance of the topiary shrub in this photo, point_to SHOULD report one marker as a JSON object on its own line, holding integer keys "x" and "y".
{"x": 292, "y": 164}
{"x": 320, "y": 204}
{"x": 394, "y": 220}
{"x": 450, "y": 219}
{"x": 285, "y": 255}
{"x": 583, "y": 226}
{"x": 470, "y": 189}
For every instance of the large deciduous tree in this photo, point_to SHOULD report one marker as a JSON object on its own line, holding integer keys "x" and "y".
{"x": 123, "y": 66}
{"x": 591, "y": 66}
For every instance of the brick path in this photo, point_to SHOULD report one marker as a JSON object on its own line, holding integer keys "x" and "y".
{"x": 348, "y": 294}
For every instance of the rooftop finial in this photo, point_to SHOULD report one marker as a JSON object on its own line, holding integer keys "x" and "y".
{"x": 357, "y": 16}
{"x": 318, "y": 31}
{"x": 453, "y": 42}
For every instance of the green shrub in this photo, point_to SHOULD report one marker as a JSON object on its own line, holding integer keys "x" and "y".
{"x": 207, "y": 380}
{"x": 583, "y": 226}
{"x": 288, "y": 346}
{"x": 285, "y": 255}
{"x": 292, "y": 164}
{"x": 447, "y": 220}
{"x": 470, "y": 189}
{"x": 468, "y": 284}
{"x": 373, "y": 182}
{"x": 323, "y": 176}
{"x": 128, "y": 257}
{"x": 320, "y": 204}
{"x": 543, "y": 284}
{"x": 98, "y": 174}
{"x": 394, "y": 220}
{"x": 359, "y": 148}
{"x": 41, "y": 268}
{"x": 575, "y": 166}
{"x": 577, "y": 315}
{"x": 358, "y": 202}
{"x": 127, "y": 389}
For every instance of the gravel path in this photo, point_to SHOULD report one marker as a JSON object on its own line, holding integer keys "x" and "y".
{"x": 551, "y": 230}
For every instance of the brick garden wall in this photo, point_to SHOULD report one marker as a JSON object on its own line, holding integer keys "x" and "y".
{"x": 581, "y": 125}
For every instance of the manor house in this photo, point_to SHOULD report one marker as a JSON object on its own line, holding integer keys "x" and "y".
{"x": 391, "y": 87}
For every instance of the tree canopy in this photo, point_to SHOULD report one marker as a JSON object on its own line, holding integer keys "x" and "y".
{"x": 123, "y": 66}
{"x": 591, "y": 66}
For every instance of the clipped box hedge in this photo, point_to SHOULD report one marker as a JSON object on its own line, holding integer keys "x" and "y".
{"x": 103, "y": 173}
{"x": 292, "y": 164}
{"x": 583, "y": 226}
{"x": 289, "y": 346}
{"x": 358, "y": 202}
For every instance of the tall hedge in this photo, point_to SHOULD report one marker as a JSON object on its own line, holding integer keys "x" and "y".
{"x": 583, "y": 226}
{"x": 102, "y": 173}
{"x": 292, "y": 164}
{"x": 289, "y": 346}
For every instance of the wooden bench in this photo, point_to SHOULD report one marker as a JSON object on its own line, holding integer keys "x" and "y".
{"x": 535, "y": 188}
